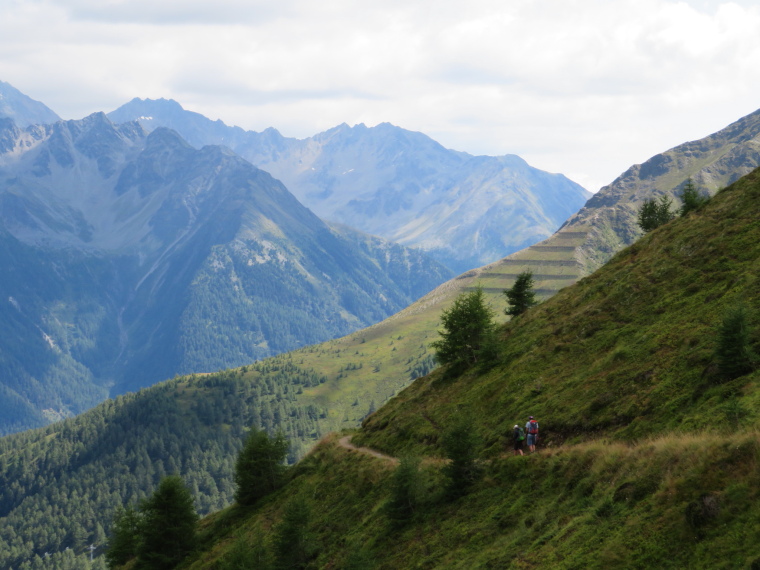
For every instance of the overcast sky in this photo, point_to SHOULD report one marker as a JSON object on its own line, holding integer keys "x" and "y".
{"x": 582, "y": 87}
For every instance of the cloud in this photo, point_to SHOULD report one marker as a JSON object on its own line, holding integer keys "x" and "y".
{"x": 583, "y": 87}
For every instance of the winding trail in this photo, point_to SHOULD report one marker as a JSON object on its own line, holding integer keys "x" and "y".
{"x": 345, "y": 442}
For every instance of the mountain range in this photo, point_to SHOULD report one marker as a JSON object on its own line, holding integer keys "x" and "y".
{"x": 463, "y": 210}
{"x": 131, "y": 257}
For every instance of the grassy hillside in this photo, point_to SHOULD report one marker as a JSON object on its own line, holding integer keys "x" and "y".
{"x": 649, "y": 458}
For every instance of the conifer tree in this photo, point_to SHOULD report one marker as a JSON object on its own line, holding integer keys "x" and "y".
{"x": 125, "y": 537}
{"x": 734, "y": 351}
{"x": 293, "y": 542}
{"x": 259, "y": 469}
{"x": 460, "y": 446}
{"x": 168, "y": 531}
{"x": 405, "y": 491}
{"x": 467, "y": 324}
{"x": 521, "y": 295}
{"x": 654, "y": 213}
{"x": 691, "y": 199}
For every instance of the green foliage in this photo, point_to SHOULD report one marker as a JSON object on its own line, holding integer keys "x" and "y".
{"x": 247, "y": 553}
{"x": 691, "y": 198}
{"x": 521, "y": 296}
{"x": 293, "y": 542}
{"x": 259, "y": 469}
{"x": 654, "y": 213}
{"x": 466, "y": 326}
{"x": 405, "y": 491}
{"x": 125, "y": 536}
{"x": 734, "y": 350}
{"x": 168, "y": 529}
{"x": 460, "y": 445}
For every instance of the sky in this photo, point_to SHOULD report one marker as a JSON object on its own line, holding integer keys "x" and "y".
{"x": 582, "y": 87}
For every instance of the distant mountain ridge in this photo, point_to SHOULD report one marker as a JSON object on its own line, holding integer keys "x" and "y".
{"x": 132, "y": 256}
{"x": 22, "y": 109}
{"x": 464, "y": 210}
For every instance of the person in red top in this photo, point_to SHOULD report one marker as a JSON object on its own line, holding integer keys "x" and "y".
{"x": 531, "y": 428}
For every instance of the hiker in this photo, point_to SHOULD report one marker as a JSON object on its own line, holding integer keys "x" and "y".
{"x": 518, "y": 436}
{"x": 532, "y": 429}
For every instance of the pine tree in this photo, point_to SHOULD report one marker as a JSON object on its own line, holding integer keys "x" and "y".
{"x": 734, "y": 351}
{"x": 459, "y": 445}
{"x": 467, "y": 324}
{"x": 293, "y": 543}
{"x": 405, "y": 491}
{"x": 521, "y": 296}
{"x": 169, "y": 526}
{"x": 654, "y": 213}
{"x": 259, "y": 469}
{"x": 691, "y": 198}
{"x": 125, "y": 536}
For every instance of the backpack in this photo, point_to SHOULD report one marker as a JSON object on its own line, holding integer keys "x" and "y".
{"x": 532, "y": 427}
{"x": 521, "y": 434}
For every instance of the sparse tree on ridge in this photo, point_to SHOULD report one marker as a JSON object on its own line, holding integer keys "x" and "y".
{"x": 521, "y": 295}
{"x": 691, "y": 198}
{"x": 654, "y": 213}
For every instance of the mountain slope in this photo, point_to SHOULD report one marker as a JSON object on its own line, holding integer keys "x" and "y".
{"x": 166, "y": 259}
{"x": 464, "y": 210}
{"x": 23, "y": 110}
{"x": 608, "y": 221}
{"x": 643, "y": 445}
{"x": 625, "y": 354}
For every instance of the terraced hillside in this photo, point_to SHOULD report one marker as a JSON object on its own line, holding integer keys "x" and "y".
{"x": 607, "y": 222}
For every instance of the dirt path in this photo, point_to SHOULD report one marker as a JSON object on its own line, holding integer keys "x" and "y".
{"x": 345, "y": 442}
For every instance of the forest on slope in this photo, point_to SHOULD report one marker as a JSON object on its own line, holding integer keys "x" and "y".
{"x": 649, "y": 454}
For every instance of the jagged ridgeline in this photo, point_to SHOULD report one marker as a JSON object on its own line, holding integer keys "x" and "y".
{"x": 646, "y": 442}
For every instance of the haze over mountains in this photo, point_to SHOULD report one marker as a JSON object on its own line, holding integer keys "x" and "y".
{"x": 130, "y": 257}
{"x": 133, "y": 256}
{"x": 463, "y": 210}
